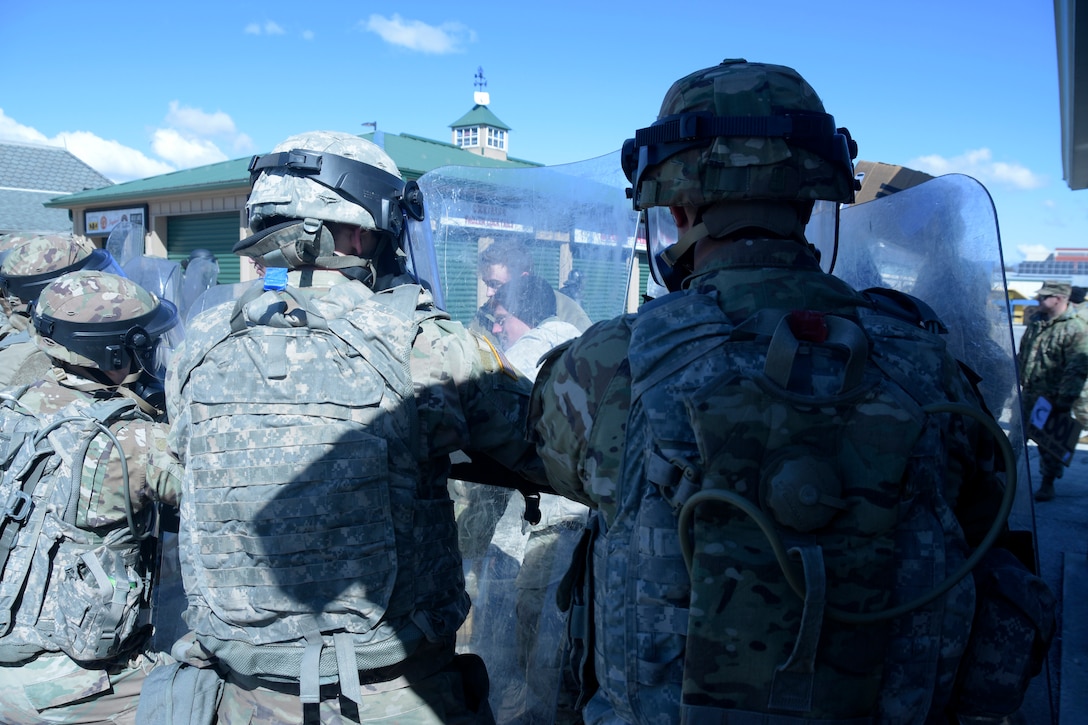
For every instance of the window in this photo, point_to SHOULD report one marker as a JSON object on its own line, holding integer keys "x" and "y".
{"x": 468, "y": 136}
{"x": 496, "y": 138}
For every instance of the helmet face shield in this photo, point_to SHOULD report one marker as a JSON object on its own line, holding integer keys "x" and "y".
{"x": 661, "y": 234}
{"x": 383, "y": 195}
{"x": 113, "y": 345}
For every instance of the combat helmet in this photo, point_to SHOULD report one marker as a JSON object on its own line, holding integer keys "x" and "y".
{"x": 741, "y": 132}
{"x": 36, "y": 260}
{"x": 325, "y": 176}
{"x": 103, "y": 321}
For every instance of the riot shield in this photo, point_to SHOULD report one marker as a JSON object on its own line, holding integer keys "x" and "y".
{"x": 125, "y": 242}
{"x": 577, "y": 228}
{"x": 201, "y": 274}
{"x": 939, "y": 241}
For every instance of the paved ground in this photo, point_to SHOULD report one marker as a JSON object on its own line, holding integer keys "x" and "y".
{"x": 1059, "y": 695}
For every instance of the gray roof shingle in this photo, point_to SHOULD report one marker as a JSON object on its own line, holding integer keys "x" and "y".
{"x": 32, "y": 175}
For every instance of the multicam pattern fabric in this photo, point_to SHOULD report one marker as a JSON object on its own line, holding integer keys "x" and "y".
{"x": 741, "y": 168}
{"x": 46, "y": 253}
{"x": 88, "y": 297}
{"x": 374, "y": 564}
{"x": 609, "y": 417}
{"x": 51, "y": 595}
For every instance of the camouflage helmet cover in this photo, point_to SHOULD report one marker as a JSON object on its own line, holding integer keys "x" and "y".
{"x": 101, "y": 320}
{"x": 35, "y": 260}
{"x": 281, "y": 193}
{"x": 740, "y": 131}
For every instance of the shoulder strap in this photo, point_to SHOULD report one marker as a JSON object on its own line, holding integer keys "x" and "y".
{"x": 906, "y": 307}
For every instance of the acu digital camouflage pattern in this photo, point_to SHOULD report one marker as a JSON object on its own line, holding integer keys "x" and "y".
{"x": 742, "y": 168}
{"x": 690, "y": 410}
{"x": 350, "y": 419}
{"x": 280, "y": 193}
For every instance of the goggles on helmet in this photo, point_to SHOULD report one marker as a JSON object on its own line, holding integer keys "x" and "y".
{"x": 382, "y": 194}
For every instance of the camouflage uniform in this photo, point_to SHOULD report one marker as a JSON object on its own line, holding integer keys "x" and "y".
{"x": 464, "y": 399}
{"x": 1053, "y": 362}
{"x": 638, "y": 464}
{"x": 580, "y": 413}
{"x": 30, "y": 262}
{"x": 52, "y": 687}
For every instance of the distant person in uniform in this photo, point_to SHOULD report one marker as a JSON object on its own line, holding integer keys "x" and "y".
{"x": 1053, "y": 361}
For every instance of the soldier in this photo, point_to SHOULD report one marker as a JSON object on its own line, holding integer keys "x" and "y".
{"x": 1053, "y": 360}
{"x": 84, "y": 464}
{"x": 29, "y": 265}
{"x": 754, "y": 500}
{"x": 324, "y": 406}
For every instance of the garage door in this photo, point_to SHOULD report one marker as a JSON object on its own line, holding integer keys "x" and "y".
{"x": 217, "y": 232}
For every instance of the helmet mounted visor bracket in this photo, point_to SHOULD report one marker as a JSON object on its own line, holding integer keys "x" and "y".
{"x": 387, "y": 198}
{"x": 105, "y": 343}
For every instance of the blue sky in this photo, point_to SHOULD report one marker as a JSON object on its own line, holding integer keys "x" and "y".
{"x": 137, "y": 88}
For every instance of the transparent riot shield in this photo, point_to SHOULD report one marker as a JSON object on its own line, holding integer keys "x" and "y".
{"x": 574, "y": 227}
{"x": 939, "y": 241}
{"x": 125, "y": 242}
{"x": 200, "y": 275}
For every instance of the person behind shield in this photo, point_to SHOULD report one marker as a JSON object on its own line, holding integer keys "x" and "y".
{"x": 504, "y": 260}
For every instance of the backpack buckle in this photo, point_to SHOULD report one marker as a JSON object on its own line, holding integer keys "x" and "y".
{"x": 18, "y": 507}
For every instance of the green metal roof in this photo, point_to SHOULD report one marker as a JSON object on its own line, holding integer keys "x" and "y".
{"x": 479, "y": 116}
{"x": 414, "y": 156}
{"x": 203, "y": 179}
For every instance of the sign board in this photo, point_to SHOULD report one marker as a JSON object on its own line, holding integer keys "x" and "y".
{"x": 100, "y": 222}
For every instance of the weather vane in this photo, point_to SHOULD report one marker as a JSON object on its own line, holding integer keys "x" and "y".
{"x": 481, "y": 97}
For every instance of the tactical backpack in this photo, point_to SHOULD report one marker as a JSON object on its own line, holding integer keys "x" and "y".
{"x": 802, "y": 454}
{"x": 309, "y": 548}
{"x": 63, "y": 588}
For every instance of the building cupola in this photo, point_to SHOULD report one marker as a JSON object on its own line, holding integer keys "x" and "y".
{"x": 480, "y": 131}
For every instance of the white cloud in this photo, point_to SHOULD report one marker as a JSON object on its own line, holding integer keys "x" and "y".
{"x": 417, "y": 35}
{"x": 112, "y": 159}
{"x": 268, "y": 27}
{"x": 307, "y": 35}
{"x": 185, "y": 151}
{"x": 12, "y": 130}
{"x": 188, "y": 137}
{"x": 198, "y": 122}
{"x": 979, "y": 164}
